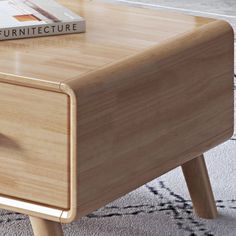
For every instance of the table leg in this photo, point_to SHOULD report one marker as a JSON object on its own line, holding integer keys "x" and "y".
{"x": 43, "y": 227}
{"x": 196, "y": 176}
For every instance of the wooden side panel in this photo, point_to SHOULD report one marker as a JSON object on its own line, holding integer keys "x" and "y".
{"x": 152, "y": 112}
{"x": 34, "y": 143}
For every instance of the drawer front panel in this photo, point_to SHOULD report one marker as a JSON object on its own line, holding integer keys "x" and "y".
{"x": 34, "y": 145}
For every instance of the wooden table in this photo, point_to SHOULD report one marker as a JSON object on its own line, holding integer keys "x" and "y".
{"x": 87, "y": 118}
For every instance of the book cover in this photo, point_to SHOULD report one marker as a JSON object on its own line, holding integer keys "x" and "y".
{"x": 35, "y": 18}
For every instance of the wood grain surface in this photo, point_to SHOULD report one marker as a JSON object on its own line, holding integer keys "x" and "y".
{"x": 114, "y": 32}
{"x": 150, "y": 113}
{"x": 148, "y": 91}
{"x": 198, "y": 182}
{"x": 34, "y": 141}
{"x": 45, "y": 228}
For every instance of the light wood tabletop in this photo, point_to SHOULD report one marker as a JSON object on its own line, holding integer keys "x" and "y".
{"x": 114, "y": 32}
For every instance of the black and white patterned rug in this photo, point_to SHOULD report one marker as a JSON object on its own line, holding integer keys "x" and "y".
{"x": 163, "y": 206}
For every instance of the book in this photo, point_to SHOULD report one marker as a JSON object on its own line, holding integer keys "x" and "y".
{"x": 35, "y": 18}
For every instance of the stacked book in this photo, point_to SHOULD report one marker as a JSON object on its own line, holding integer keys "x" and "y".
{"x": 35, "y": 18}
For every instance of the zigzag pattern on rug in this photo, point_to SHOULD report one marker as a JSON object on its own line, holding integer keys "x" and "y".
{"x": 180, "y": 209}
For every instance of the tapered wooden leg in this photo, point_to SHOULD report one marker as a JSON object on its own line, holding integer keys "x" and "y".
{"x": 45, "y": 227}
{"x": 196, "y": 176}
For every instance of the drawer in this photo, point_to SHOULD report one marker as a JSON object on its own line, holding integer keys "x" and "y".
{"x": 34, "y": 145}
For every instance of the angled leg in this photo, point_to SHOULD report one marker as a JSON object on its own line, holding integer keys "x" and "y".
{"x": 196, "y": 176}
{"x": 43, "y": 227}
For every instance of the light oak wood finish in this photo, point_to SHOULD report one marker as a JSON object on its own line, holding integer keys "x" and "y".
{"x": 34, "y": 140}
{"x": 114, "y": 32}
{"x": 197, "y": 179}
{"x": 152, "y": 112}
{"x": 147, "y": 91}
{"x": 45, "y": 228}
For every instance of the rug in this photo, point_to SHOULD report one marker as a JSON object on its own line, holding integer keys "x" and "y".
{"x": 163, "y": 206}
